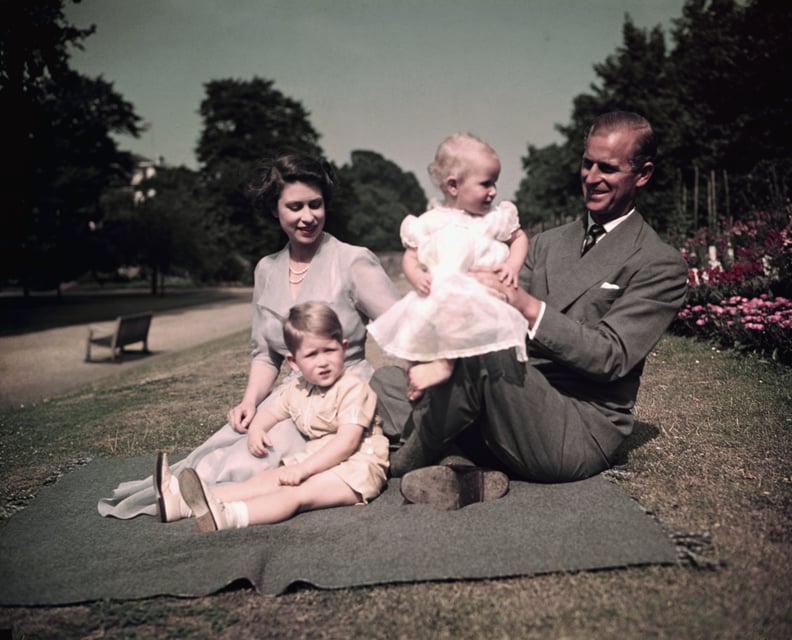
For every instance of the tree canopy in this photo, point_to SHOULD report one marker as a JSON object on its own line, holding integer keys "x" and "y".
{"x": 377, "y": 197}
{"x": 721, "y": 111}
{"x": 245, "y": 122}
{"x": 163, "y": 225}
{"x": 713, "y": 88}
{"x": 58, "y": 125}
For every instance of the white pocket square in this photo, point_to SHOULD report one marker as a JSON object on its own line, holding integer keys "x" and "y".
{"x": 608, "y": 285}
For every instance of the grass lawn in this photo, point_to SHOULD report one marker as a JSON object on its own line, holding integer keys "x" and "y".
{"x": 713, "y": 458}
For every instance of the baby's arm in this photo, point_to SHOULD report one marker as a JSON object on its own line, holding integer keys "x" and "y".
{"x": 509, "y": 270}
{"x": 258, "y": 440}
{"x": 416, "y": 275}
{"x": 343, "y": 445}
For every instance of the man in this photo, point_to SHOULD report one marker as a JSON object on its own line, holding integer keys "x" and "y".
{"x": 596, "y": 303}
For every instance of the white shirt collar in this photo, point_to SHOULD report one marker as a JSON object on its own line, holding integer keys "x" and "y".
{"x": 610, "y": 226}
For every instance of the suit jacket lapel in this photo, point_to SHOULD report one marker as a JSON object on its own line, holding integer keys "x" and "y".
{"x": 569, "y": 275}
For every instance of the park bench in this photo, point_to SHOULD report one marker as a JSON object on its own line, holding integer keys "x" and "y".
{"x": 128, "y": 330}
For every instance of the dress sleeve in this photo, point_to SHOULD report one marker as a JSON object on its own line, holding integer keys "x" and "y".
{"x": 264, "y": 322}
{"x": 503, "y": 221}
{"x": 372, "y": 289}
{"x": 410, "y": 232}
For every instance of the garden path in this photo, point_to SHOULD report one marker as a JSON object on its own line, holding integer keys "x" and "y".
{"x": 42, "y": 364}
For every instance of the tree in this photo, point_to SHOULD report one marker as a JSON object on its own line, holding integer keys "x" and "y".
{"x": 550, "y": 191}
{"x": 62, "y": 154}
{"x": 634, "y": 78}
{"x": 722, "y": 115}
{"x": 163, "y": 225}
{"x": 245, "y": 122}
{"x": 379, "y": 196}
{"x": 738, "y": 111}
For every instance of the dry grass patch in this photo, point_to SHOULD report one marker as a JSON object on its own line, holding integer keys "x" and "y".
{"x": 711, "y": 457}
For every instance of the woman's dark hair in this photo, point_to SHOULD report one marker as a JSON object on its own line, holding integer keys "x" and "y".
{"x": 286, "y": 169}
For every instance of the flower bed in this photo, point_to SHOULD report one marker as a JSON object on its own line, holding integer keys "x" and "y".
{"x": 739, "y": 284}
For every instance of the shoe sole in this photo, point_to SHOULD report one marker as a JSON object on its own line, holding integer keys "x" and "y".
{"x": 192, "y": 491}
{"x": 448, "y": 488}
{"x": 159, "y": 466}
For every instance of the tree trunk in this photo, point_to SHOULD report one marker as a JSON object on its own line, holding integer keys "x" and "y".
{"x": 726, "y": 195}
{"x": 695, "y": 197}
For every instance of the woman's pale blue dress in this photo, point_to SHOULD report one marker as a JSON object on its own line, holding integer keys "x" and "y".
{"x": 348, "y": 278}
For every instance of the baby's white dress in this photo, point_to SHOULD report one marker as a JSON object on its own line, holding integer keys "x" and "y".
{"x": 460, "y": 317}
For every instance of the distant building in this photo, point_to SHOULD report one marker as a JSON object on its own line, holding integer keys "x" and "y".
{"x": 145, "y": 170}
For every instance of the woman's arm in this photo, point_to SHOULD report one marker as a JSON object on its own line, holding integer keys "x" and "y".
{"x": 260, "y": 380}
{"x": 341, "y": 447}
{"x": 373, "y": 291}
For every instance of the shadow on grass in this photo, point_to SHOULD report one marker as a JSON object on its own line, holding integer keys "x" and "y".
{"x": 643, "y": 432}
{"x": 75, "y": 307}
{"x": 126, "y": 355}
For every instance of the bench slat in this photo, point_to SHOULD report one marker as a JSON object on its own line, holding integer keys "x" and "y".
{"x": 128, "y": 330}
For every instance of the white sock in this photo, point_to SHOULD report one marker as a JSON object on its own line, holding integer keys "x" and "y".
{"x": 238, "y": 513}
{"x": 184, "y": 508}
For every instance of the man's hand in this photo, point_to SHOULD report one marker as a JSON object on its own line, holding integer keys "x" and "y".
{"x": 492, "y": 280}
{"x": 519, "y": 298}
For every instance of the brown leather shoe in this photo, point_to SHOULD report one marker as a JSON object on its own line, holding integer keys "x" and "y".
{"x": 449, "y": 487}
{"x": 210, "y": 514}
{"x": 171, "y": 507}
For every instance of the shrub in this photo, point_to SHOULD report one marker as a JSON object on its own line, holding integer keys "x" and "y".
{"x": 739, "y": 285}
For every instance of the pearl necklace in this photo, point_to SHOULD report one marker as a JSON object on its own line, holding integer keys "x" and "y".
{"x": 301, "y": 274}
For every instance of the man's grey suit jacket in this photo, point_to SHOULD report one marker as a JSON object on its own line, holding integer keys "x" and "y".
{"x": 605, "y": 312}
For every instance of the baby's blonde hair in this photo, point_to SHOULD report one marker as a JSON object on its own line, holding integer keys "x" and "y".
{"x": 315, "y": 318}
{"x": 451, "y": 157}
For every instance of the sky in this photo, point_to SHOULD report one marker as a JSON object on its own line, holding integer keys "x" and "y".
{"x": 390, "y": 76}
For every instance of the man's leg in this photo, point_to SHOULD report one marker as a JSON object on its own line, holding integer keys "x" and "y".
{"x": 537, "y": 433}
{"x": 437, "y": 436}
{"x": 390, "y": 385}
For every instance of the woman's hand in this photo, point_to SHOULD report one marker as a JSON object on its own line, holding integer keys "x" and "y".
{"x": 241, "y": 415}
{"x": 260, "y": 380}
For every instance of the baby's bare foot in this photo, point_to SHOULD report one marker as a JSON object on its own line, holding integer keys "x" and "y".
{"x": 423, "y": 375}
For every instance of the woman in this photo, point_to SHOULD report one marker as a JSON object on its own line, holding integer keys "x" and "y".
{"x": 313, "y": 266}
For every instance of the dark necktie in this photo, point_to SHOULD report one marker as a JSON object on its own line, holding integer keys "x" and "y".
{"x": 594, "y": 232}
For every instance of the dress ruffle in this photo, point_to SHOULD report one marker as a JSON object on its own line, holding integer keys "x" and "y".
{"x": 459, "y": 318}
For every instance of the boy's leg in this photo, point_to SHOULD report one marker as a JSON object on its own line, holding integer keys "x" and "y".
{"x": 263, "y": 482}
{"x": 322, "y": 491}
